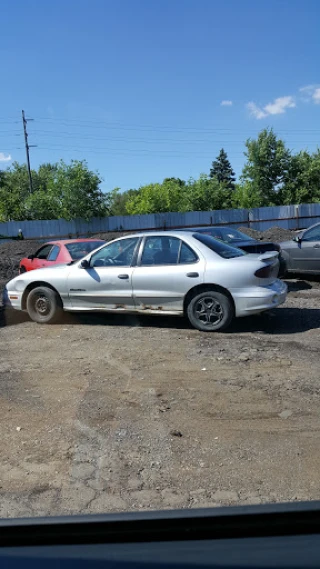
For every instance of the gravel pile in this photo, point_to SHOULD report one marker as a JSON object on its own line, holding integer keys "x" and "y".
{"x": 276, "y": 234}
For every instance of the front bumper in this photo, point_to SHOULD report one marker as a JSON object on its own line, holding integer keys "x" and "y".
{"x": 11, "y": 299}
{"x": 282, "y": 266}
{"x": 259, "y": 299}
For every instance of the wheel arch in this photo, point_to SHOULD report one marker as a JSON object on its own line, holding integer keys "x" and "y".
{"x": 33, "y": 285}
{"x": 202, "y": 288}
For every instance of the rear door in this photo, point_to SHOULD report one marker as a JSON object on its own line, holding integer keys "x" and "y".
{"x": 167, "y": 269}
{"x": 305, "y": 256}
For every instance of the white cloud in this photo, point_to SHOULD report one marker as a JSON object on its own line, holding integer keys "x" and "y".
{"x": 256, "y": 111}
{"x": 226, "y": 103}
{"x": 276, "y": 107}
{"x": 307, "y": 89}
{"x": 5, "y": 157}
{"x": 311, "y": 93}
{"x": 279, "y": 105}
{"x": 316, "y": 96}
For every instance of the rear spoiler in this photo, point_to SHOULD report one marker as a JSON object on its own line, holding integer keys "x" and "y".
{"x": 269, "y": 256}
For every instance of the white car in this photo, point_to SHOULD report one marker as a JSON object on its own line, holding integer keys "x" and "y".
{"x": 173, "y": 273}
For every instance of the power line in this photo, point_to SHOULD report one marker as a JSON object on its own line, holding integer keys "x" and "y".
{"x": 102, "y": 123}
{"x": 72, "y": 135}
{"x": 130, "y": 151}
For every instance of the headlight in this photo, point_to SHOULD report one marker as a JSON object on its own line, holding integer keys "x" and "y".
{"x": 19, "y": 285}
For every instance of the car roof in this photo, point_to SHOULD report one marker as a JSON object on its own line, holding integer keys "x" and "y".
{"x": 206, "y": 227}
{"x": 156, "y": 233}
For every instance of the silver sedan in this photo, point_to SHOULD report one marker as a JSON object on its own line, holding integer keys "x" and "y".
{"x": 173, "y": 273}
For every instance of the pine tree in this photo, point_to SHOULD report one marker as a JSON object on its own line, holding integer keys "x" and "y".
{"x": 222, "y": 171}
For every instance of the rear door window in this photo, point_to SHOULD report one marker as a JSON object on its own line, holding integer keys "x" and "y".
{"x": 187, "y": 255}
{"x": 160, "y": 251}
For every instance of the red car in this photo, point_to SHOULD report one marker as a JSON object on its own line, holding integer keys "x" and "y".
{"x": 59, "y": 252}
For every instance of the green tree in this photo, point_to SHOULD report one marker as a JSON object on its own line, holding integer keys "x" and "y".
{"x": 59, "y": 190}
{"x": 207, "y": 194}
{"x": 267, "y": 165}
{"x": 117, "y": 201}
{"x": 158, "y": 198}
{"x": 78, "y": 190}
{"x": 221, "y": 170}
{"x": 246, "y": 196}
{"x": 302, "y": 181}
{"x": 14, "y": 188}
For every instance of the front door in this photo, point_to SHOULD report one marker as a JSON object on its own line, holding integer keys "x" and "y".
{"x": 107, "y": 283}
{"x": 305, "y": 256}
{"x": 168, "y": 268}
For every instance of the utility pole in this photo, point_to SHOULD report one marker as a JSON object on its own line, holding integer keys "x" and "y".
{"x": 24, "y": 122}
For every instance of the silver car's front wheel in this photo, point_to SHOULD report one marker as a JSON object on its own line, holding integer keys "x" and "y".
{"x": 210, "y": 311}
{"x": 44, "y": 305}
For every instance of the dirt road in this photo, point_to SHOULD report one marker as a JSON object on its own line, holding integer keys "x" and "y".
{"x": 111, "y": 413}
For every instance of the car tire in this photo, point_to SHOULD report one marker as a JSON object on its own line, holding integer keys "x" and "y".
{"x": 210, "y": 311}
{"x": 44, "y": 305}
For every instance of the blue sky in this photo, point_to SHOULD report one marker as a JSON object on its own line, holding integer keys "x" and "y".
{"x": 147, "y": 89}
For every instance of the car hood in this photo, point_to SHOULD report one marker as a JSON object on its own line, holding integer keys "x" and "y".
{"x": 45, "y": 273}
{"x": 288, "y": 244}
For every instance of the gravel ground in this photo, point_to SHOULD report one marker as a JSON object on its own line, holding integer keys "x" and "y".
{"x": 111, "y": 413}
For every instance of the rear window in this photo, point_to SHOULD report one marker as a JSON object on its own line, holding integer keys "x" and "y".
{"x": 79, "y": 250}
{"x": 222, "y": 249}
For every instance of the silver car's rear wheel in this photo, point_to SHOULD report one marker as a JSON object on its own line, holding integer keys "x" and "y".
{"x": 44, "y": 305}
{"x": 210, "y": 311}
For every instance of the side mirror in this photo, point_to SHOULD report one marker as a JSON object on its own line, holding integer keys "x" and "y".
{"x": 31, "y": 257}
{"x": 85, "y": 264}
{"x": 297, "y": 238}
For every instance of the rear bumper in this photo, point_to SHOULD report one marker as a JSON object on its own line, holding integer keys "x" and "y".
{"x": 259, "y": 299}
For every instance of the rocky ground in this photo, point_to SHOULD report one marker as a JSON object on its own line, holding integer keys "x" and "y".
{"x": 112, "y": 413}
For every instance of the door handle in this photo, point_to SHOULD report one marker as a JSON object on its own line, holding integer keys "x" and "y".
{"x": 317, "y": 246}
{"x": 192, "y": 275}
{"x": 123, "y": 276}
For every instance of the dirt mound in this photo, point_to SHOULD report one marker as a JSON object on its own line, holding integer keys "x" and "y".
{"x": 251, "y": 232}
{"x": 11, "y": 253}
{"x": 276, "y": 234}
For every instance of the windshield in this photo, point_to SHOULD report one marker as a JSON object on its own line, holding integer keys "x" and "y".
{"x": 222, "y": 249}
{"x": 79, "y": 250}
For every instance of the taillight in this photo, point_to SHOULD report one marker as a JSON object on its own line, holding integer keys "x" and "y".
{"x": 264, "y": 272}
